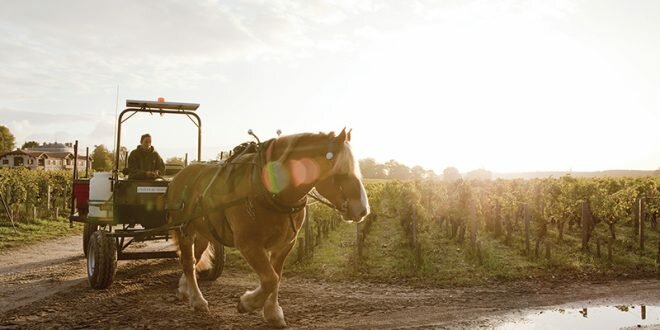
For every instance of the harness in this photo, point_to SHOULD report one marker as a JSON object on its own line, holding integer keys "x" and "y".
{"x": 265, "y": 198}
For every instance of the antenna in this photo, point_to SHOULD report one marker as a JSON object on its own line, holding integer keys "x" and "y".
{"x": 114, "y": 136}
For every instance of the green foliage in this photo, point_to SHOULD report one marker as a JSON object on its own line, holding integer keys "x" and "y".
{"x": 30, "y": 144}
{"x": 101, "y": 159}
{"x": 470, "y": 232}
{"x": 7, "y": 140}
{"x": 23, "y": 189}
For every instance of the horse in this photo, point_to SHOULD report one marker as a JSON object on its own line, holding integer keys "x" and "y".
{"x": 255, "y": 202}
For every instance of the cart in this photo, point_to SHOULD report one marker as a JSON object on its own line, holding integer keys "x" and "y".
{"x": 117, "y": 212}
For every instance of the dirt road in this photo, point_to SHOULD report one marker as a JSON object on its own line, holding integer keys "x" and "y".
{"x": 45, "y": 286}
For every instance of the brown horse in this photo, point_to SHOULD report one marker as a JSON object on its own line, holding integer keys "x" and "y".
{"x": 255, "y": 203}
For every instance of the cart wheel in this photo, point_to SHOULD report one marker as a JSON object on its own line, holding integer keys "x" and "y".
{"x": 217, "y": 257}
{"x": 88, "y": 230}
{"x": 101, "y": 260}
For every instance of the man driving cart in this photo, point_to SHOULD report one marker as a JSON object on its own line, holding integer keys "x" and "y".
{"x": 144, "y": 162}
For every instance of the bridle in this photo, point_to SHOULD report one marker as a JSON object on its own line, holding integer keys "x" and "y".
{"x": 264, "y": 155}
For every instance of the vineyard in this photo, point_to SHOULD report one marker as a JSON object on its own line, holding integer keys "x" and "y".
{"x": 31, "y": 195}
{"x": 469, "y": 231}
{"x": 460, "y": 231}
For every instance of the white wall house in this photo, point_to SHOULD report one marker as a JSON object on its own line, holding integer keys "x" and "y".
{"x": 42, "y": 160}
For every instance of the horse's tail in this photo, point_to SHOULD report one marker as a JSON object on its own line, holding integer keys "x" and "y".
{"x": 207, "y": 256}
{"x": 211, "y": 261}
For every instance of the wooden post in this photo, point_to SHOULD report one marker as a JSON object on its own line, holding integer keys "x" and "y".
{"x": 635, "y": 216}
{"x": 414, "y": 226}
{"x": 643, "y": 312}
{"x": 301, "y": 248}
{"x": 585, "y": 226}
{"x": 48, "y": 198}
{"x": 87, "y": 162}
{"x": 548, "y": 248}
{"x": 527, "y": 219}
{"x": 34, "y": 213}
{"x": 415, "y": 242}
{"x": 498, "y": 219}
{"x": 308, "y": 235}
{"x": 57, "y": 213}
{"x": 473, "y": 224}
{"x": 642, "y": 215}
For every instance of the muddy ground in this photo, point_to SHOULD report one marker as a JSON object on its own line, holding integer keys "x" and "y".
{"x": 45, "y": 286}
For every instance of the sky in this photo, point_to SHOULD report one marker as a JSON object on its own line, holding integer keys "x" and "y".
{"x": 502, "y": 85}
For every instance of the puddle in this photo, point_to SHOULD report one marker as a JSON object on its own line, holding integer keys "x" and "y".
{"x": 600, "y": 317}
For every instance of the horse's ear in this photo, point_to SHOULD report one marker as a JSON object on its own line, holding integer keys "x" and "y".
{"x": 342, "y": 136}
{"x": 348, "y": 135}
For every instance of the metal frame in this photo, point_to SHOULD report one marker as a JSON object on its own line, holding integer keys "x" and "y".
{"x": 133, "y": 111}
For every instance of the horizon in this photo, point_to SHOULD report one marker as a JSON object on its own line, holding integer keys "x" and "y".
{"x": 509, "y": 87}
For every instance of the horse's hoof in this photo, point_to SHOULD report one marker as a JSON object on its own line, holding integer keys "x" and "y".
{"x": 201, "y": 306}
{"x": 277, "y": 323}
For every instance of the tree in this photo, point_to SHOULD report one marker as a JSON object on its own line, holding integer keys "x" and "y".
{"x": 397, "y": 171}
{"x": 451, "y": 174}
{"x": 7, "y": 140}
{"x": 371, "y": 169}
{"x": 30, "y": 144}
{"x": 101, "y": 158}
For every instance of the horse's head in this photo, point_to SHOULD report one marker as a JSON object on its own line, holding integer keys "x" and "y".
{"x": 342, "y": 183}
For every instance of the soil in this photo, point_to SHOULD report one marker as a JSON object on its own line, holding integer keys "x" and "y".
{"x": 45, "y": 286}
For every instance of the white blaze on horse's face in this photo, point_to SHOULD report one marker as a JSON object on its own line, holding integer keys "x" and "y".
{"x": 345, "y": 189}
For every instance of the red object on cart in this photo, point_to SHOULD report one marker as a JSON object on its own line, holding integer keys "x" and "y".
{"x": 81, "y": 194}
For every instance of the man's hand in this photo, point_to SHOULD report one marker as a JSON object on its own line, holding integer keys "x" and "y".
{"x": 151, "y": 174}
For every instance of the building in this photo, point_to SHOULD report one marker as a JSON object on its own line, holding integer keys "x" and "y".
{"x": 52, "y": 156}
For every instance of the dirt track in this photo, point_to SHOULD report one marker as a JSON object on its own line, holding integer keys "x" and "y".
{"x": 45, "y": 286}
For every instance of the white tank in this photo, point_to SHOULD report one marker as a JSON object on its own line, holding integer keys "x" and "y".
{"x": 99, "y": 193}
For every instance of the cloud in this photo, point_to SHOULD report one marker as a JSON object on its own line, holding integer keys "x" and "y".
{"x": 42, "y": 118}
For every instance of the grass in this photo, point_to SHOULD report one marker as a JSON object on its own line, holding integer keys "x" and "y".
{"x": 34, "y": 231}
{"x": 387, "y": 257}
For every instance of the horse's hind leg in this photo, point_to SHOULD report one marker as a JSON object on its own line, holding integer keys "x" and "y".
{"x": 273, "y": 313}
{"x": 260, "y": 262}
{"x": 188, "y": 282}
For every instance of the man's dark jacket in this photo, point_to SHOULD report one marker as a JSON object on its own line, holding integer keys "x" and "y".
{"x": 140, "y": 161}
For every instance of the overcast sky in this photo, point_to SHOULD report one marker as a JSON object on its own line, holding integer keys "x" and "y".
{"x": 501, "y": 85}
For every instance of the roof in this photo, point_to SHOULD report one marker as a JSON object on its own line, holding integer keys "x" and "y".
{"x": 42, "y": 154}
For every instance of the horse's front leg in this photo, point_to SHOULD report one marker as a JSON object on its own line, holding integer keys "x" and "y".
{"x": 188, "y": 287}
{"x": 268, "y": 279}
{"x": 273, "y": 313}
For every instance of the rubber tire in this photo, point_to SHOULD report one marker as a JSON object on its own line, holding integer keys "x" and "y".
{"x": 218, "y": 260}
{"x": 101, "y": 260}
{"x": 88, "y": 230}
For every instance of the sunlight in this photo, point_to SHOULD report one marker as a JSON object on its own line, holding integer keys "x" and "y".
{"x": 505, "y": 93}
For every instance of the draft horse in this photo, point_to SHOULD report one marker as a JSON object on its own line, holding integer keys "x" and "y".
{"x": 255, "y": 202}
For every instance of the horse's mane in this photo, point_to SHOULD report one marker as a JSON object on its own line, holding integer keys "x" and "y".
{"x": 343, "y": 159}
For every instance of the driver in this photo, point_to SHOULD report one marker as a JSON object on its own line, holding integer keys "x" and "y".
{"x": 144, "y": 162}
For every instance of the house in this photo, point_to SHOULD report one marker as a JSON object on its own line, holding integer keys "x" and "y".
{"x": 52, "y": 156}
